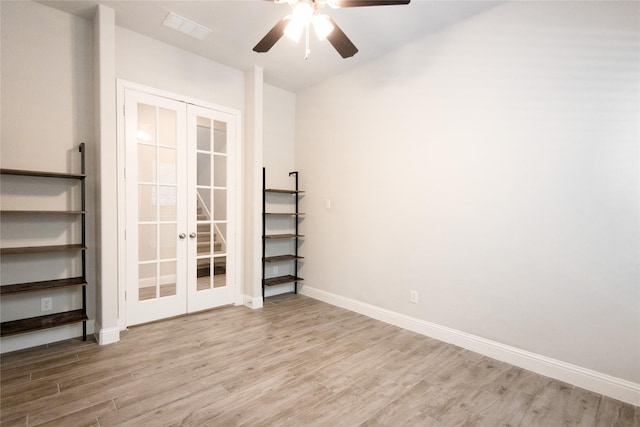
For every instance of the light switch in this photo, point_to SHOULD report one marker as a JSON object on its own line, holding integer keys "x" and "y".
{"x": 327, "y": 203}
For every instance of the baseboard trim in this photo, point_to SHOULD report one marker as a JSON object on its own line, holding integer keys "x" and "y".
{"x": 253, "y": 302}
{"x": 597, "y": 382}
{"x": 106, "y": 336}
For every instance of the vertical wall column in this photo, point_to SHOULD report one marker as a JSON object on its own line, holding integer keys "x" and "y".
{"x": 253, "y": 154}
{"x": 106, "y": 328}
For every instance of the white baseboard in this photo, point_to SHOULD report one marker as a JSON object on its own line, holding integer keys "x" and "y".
{"x": 597, "y": 382}
{"x": 106, "y": 336}
{"x": 46, "y": 336}
{"x": 253, "y": 302}
{"x": 258, "y": 302}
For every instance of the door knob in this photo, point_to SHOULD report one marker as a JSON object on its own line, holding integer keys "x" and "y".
{"x": 182, "y": 235}
{"x": 193, "y": 235}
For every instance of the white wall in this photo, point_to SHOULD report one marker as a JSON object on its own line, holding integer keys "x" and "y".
{"x": 47, "y": 106}
{"x": 252, "y": 180}
{"x": 106, "y": 324}
{"x": 279, "y": 136}
{"x": 279, "y": 160}
{"x": 47, "y": 87}
{"x": 493, "y": 168}
{"x": 140, "y": 59}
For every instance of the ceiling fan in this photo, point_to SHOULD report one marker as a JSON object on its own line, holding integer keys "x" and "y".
{"x": 306, "y": 12}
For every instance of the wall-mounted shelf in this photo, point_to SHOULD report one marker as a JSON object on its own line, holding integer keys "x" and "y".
{"x": 283, "y": 236}
{"x": 32, "y": 324}
{"x": 282, "y": 258}
{"x": 282, "y": 280}
{"x": 41, "y": 212}
{"x": 42, "y": 174}
{"x": 283, "y": 214}
{"x": 42, "y": 285}
{"x": 41, "y": 249}
{"x": 275, "y": 190}
{"x": 295, "y": 236}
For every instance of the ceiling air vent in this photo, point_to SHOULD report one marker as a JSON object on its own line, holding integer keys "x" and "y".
{"x": 186, "y": 26}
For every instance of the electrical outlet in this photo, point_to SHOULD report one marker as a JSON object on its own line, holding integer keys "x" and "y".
{"x": 46, "y": 304}
{"x": 413, "y": 297}
{"x": 275, "y": 270}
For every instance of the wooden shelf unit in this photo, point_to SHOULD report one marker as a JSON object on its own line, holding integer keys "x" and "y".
{"x": 283, "y": 236}
{"x": 281, "y": 280}
{"x": 48, "y": 321}
{"x": 274, "y": 190}
{"x": 43, "y": 174}
{"x": 283, "y": 214}
{"x": 40, "y": 212}
{"x": 32, "y": 324}
{"x": 42, "y": 285}
{"x": 295, "y": 236}
{"x": 42, "y": 249}
{"x": 282, "y": 258}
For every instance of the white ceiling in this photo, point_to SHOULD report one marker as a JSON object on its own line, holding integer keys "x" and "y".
{"x": 239, "y": 24}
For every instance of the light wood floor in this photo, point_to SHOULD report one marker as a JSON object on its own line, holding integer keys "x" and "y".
{"x": 296, "y": 362}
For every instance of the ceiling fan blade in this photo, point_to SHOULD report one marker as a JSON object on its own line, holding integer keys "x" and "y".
{"x": 272, "y": 36}
{"x": 360, "y": 3}
{"x": 341, "y": 42}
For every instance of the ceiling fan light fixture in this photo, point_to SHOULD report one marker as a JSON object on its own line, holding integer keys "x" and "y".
{"x": 303, "y": 12}
{"x": 322, "y": 26}
{"x": 294, "y": 30}
{"x": 301, "y": 17}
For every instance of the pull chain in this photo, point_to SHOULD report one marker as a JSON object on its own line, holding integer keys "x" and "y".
{"x": 307, "y": 51}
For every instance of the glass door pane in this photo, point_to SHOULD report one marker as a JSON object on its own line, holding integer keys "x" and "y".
{"x": 220, "y": 201}
{"x": 155, "y": 144}
{"x": 157, "y": 210}
{"x": 212, "y": 176}
{"x": 205, "y": 168}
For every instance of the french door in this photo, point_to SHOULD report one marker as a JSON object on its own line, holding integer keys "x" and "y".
{"x": 180, "y": 205}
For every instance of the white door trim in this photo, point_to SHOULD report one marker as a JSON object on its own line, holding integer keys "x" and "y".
{"x": 123, "y": 85}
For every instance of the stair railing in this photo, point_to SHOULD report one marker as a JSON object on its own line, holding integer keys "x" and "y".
{"x": 216, "y": 228}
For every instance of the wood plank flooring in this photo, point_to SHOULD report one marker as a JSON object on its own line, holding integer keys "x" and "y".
{"x": 295, "y": 362}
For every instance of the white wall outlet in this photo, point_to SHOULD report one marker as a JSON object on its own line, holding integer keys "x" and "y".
{"x": 275, "y": 270}
{"x": 46, "y": 304}
{"x": 327, "y": 203}
{"x": 413, "y": 297}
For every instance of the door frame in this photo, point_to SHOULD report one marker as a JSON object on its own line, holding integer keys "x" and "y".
{"x": 238, "y": 185}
